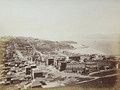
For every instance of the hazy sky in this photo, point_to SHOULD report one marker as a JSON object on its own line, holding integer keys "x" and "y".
{"x": 59, "y": 19}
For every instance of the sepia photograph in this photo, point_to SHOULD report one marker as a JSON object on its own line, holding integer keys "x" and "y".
{"x": 59, "y": 45}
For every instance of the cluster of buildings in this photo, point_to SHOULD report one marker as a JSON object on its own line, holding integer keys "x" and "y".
{"x": 26, "y": 67}
{"x": 84, "y": 64}
{"x": 21, "y": 69}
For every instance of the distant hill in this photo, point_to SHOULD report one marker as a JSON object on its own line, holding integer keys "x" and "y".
{"x": 41, "y": 45}
{"x": 69, "y": 42}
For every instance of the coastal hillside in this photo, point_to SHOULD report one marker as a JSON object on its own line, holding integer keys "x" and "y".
{"x": 43, "y": 46}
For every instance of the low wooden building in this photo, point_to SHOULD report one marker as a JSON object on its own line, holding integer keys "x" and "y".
{"x": 75, "y": 58}
{"x": 37, "y": 73}
{"x": 91, "y": 66}
{"x": 62, "y": 65}
{"x": 28, "y": 70}
{"x": 75, "y": 67}
{"x": 50, "y": 61}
